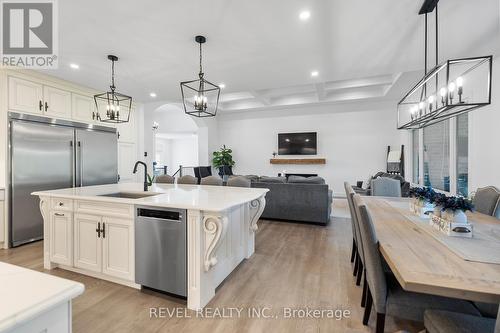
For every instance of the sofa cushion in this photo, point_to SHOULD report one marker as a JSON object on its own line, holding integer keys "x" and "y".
{"x": 266, "y": 179}
{"x": 296, "y": 202}
{"x": 252, "y": 178}
{"x": 306, "y": 180}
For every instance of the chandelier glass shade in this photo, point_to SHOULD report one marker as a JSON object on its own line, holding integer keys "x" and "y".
{"x": 450, "y": 89}
{"x": 200, "y": 97}
{"x": 112, "y": 106}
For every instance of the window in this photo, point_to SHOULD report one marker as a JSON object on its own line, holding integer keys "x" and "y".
{"x": 441, "y": 170}
{"x": 436, "y": 152}
{"x": 462, "y": 141}
{"x": 415, "y": 155}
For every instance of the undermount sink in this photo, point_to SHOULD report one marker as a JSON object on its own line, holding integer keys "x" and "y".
{"x": 130, "y": 195}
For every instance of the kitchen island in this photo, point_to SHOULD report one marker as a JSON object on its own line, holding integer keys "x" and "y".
{"x": 90, "y": 230}
{"x": 35, "y": 302}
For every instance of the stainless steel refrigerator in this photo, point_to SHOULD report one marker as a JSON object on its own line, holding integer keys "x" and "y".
{"x": 47, "y": 154}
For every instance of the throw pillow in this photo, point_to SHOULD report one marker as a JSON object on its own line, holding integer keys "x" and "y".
{"x": 306, "y": 180}
{"x": 266, "y": 179}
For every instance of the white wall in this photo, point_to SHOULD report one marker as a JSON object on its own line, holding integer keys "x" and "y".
{"x": 353, "y": 143}
{"x": 183, "y": 151}
{"x": 484, "y": 139}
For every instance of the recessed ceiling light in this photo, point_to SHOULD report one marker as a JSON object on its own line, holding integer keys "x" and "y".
{"x": 222, "y": 85}
{"x": 314, "y": 73}
{"x": 74, "y": 66}
{"x": 152, "y": 94}
{"x": 305, "y": 15}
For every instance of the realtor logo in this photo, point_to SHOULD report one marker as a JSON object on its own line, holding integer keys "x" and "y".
{"x": 29, "y": 36}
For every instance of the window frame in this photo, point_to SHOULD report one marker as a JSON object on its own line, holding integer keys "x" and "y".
{"x": 453, "y": 162}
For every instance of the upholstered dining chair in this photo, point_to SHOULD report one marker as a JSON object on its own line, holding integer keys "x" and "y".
{"x": 164, "y": 179}
{"x": 359, "y": 270}
{"x": 386, "y": 187}
{"x": 187, "y": 180}
{"x": 354, "y": 251}
{"x": 384, "y": 292}
{"x": 359, "y": 257}
{"x": 211, "y": 180}
{"x": 436, "y": 321}
{"x": 239, "y": 182}
{"x": 486, "y": 199}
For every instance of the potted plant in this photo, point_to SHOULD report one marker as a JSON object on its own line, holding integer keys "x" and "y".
{"x": 439, "y": 202}
{"x": 422, "y": 200}
{"x": 455, "y": 208}
{"x": 151, "y": 179}
{"x": 223, "y": 159}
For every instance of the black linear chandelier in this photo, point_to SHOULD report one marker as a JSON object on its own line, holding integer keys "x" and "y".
{"x": 200, "y": 97}
{"x": 118, "y": 106}
{"x": 450, "y": 89}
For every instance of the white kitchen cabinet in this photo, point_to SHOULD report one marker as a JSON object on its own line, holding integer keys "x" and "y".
{"x": 57, "y": 102}
{"x": 61, "y": 233}
{"x": 128, "y": 131}
{"x": 110, "y": 251}
{"x": 87, "y": 243}
{"x": 83, "y": 108}
{"x": 25, "y": 96}
{"x": 127, "y": 156}
{"x": 117, "y": 248}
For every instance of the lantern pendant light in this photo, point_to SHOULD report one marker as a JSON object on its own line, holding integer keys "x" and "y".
{"x": 452, "y": 88}
{"x": 118, "y": 106}
{"x": 200, "y": 97}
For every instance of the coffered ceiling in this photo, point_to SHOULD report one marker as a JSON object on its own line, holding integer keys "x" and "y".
{"x": 260, "y": 49}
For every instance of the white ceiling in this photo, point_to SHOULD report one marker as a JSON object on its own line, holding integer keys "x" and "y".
{"x": 260, "y": 49}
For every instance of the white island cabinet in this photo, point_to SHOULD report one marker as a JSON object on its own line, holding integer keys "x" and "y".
{"x": 93, "y": 234}
{"x": 34, "y": 301}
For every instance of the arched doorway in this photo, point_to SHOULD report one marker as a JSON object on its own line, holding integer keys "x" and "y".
{"x": 178, "y": 140}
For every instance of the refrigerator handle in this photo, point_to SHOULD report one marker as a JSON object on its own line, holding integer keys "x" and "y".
{"x": 80, "y": 159}
{"x": 73, "y": 180}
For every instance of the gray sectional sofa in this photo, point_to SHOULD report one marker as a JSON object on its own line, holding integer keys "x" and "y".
{"x": 296, "y": 199}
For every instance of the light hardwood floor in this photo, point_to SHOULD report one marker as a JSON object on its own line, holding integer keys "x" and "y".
{"x": 294, "y": 266}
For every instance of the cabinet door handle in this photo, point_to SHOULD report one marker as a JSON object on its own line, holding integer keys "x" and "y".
{"x": 40, "y": 105}
{"x": 93, "y": 115}
{"x": 98, "y": 230}
{"x": 46, "y": 106}
{"x": 103, "y": 230}
{"x": 58, "y": 214}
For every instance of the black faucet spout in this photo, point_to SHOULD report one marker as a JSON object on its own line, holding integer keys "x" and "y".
{"x": 145, "y": 173}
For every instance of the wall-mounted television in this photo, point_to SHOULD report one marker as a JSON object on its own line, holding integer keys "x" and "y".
{"x": 297, "y": 143}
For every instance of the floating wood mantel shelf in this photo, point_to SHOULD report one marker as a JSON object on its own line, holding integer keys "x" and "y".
{"x": 297, "y": 161}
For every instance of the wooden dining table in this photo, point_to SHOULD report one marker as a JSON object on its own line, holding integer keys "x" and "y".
{"x": 423, "y": 264}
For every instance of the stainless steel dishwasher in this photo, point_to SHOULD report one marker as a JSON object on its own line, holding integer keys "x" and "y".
{"x": 160, "y": 249}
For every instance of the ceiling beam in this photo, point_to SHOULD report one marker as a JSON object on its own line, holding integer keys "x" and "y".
{"x": 428, "y": 6}
{"x": 320, "y": 90}
{"x": 260, "y": 97}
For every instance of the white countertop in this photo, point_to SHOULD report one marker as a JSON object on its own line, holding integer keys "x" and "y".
{"x": 26, "y": 294}
{"x": 199, "y": 197}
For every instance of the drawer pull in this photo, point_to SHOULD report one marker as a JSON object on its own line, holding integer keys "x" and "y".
{"x": 59, "y": 214}
{"x": 61, "y": 204}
